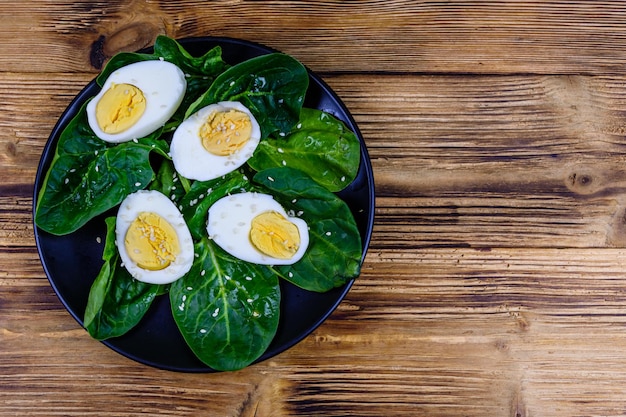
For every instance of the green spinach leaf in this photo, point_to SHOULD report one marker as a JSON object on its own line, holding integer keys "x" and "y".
{"x": 169, "y": 183}
{"x": 88, "y": 176}
{"x": 320, "y": 145}
{"x": 117, "y": 302}
{"x": 334, "y": 253}
{"x": 271, "y": 86}
{"x": 226, "y": 310}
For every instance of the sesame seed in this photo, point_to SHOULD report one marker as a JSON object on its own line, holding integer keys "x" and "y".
{"x": 248, "y": 278}
{"x": 270, "y": 179}
{"x": 203, "y": 331}
{"x": 202, "y": 273}
{"x": 137, "y": 184}
{"x": 216, "y": 312}
{"x": 66, "y": 180}
{"x": 328, "y": 233}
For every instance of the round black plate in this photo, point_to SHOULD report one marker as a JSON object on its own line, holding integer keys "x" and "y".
{"x": 72, "y": 262}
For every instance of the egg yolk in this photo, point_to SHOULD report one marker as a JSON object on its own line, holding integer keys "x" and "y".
{"x": 119, "y": 108}
{"x": 224, "y": 133}
{"x": 151, "y": 242}
{"x": 272, "y": 234}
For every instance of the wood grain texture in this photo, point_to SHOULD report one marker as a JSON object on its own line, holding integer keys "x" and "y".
{"x": 495, "y": 284}
{"x": 569, "y": 37}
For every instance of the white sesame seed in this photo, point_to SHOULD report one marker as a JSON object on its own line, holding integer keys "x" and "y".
{"x": 137, "y": 184}
{"x": 270, "y": 179}
{"x": 202, "y": 273}
{"x": 328, "y": 233}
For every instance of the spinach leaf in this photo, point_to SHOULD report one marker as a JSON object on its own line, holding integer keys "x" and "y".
{"x": 88, "y": 176}
{"x": 271, "y": 86}
{"x": 226, "y": 310}
{"x": 319, "y": 145}
{"x": 169, "y": 183}
{"x": 334, "y": 253}
{"x": 207, "y": 66}
{"x": 116, "y": 302}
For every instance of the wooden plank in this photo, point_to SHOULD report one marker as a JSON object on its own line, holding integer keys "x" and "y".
{"x": 430, "y": 331}
{"x": 446, "y": 166}
{"x": 483, "y": 37}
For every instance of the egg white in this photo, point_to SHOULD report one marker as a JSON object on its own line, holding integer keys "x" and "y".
{"x": 155, "y": 202}
{"x": 163, "y": 85}
{"x": 229, "y": 222}
{"x": 193, "y": 161}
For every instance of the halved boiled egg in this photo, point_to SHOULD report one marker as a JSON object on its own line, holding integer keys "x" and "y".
{"x": 152, "y": 238}
{"x": 136, "y": 100}
{"x": 255, "y": 228}
{"x": 214, "y": 141}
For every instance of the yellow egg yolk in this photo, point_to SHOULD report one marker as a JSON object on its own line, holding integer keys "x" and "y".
{"x": 119, "y": 108}
{"x": 272, "y": 234}
{"x": 224, "y": 133}
{"x": 151, "y": 242}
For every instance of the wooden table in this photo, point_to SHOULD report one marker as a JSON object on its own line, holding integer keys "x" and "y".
{"x": 495, "y": 283}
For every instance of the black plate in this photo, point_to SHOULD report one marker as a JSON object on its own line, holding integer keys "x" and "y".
{"x": 72, "y": 262}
